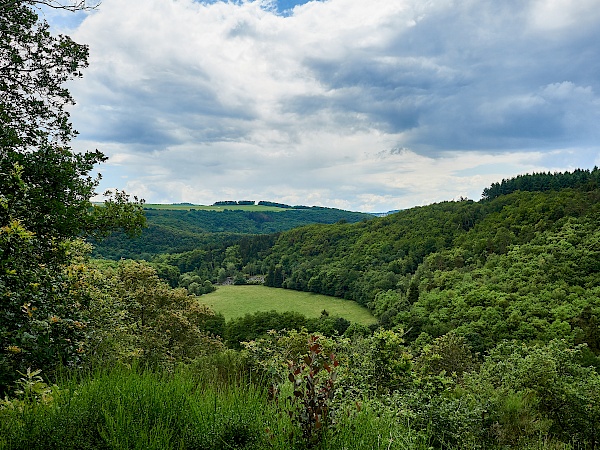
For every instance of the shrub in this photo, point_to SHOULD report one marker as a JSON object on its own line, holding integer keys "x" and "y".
{"x": 312, "y": 393}
{"x": 539, "y": 390}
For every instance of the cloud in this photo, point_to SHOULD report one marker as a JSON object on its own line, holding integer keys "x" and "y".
{"x": 341, "y": 102}
{"x": 558, "y": 15}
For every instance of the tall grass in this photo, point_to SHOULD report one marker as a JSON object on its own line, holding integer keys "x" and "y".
{"x": 200, "y": 408}
{"x": 135, "y": 409}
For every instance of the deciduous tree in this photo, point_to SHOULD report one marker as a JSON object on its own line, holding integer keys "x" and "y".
{"x": 45, "y": 192}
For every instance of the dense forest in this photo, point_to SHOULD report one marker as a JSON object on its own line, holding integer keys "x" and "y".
{"x": 510, "y": 267}
{"x": 580, "y": 179}
{"x": 521, "y": 266}
{"x": 524, "y": 265}
{"x": 177, "y": 231}
{"x": 488, "y": 332}
{"x": 488, "y": 311}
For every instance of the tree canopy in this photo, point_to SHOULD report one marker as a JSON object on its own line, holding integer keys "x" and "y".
{"x": 45, "y": 192}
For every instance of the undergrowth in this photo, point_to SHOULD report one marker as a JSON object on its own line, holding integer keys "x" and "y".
{"x": 125, "y": 408}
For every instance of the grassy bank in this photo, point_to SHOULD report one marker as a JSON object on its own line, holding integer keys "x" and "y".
{"x": 237, "y": 301}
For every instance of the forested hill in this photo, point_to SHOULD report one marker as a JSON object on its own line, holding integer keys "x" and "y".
{"x": 523, "y": 265}
{"x": 179, "y": 230}
{"x": 520, "y": 266}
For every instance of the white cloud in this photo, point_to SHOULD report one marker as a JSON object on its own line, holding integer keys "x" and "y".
{"x": 200, "y": 102}
{"x": 556, "y": 15}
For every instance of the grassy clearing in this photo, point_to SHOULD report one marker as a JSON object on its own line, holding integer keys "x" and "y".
{"x": 257, "y": 208}
{"x": 237, "y": 301}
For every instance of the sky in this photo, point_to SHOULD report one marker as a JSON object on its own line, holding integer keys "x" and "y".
{"x": 361, "y": 105}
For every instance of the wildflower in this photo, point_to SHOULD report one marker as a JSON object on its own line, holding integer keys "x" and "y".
{"x": 54, "y": 319}
{"x": 28, "y": 309}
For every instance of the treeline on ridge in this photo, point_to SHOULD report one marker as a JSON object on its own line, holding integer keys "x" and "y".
{"x": 262, "y": 203}
{"x": 234, "y": 202}
{"x": 579, "y": 178}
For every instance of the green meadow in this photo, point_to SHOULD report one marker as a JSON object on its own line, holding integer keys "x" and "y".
{"x": 237, "y": 301}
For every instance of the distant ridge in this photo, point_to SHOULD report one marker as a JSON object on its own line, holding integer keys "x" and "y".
{"x": 180, "y": 228}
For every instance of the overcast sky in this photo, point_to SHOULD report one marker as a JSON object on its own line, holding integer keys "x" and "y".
{"x": 367, "y": 105}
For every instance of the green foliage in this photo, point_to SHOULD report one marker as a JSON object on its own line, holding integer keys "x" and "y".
{"x": 127, "y": 409}
{"x": 393, "y": 362}
{"x": 268, "y": 356}
{"x": 170, "y": 274}
{"x": 538, "y": 396}
{"x": 31, "y": 390}
{"x": 138, "y": 317}
{"x": 274, "y": 277}
{"x": 45, "y": 191}
{"x": 177, "y": 231}
{"x": 239, "y": 279}
{"x": 540, "y": 389}
{"x": 184, "y": 410}
{"x": 256, "y": 325}
{"x": 520, "y": 397}
{"x": 356, "y": 261}
{"x": 449, "y": 354}
{"x": 35, "y": 67}
{"x": 276, "y": 205}
{"x": 523, "y": 265}
{"x": 532, "y": 292}
{"x": 41, "y": 324}
{"x": 253, "y": 326}
{"x": 195, "y": 284}
{"x": 221, "y": 275}
{"x": 582, "y": 179}
{"x": 312, "y": 393}
{"x": 328, "y": 326}
{"x": 460, "y": 277}
{"x": 357, "y": 329}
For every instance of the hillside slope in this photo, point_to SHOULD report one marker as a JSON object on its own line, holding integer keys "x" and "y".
{"x": 179, "y": 230}
{"x": 524, "y": 265}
